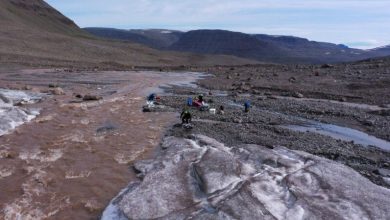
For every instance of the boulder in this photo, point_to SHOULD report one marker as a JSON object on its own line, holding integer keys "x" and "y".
{"x": 325, "y": 66}
{"x": 92, "y": 98}
{"x": 368, "y": 122}
{"x": 343, "y": 99}
{"x": 51, "y": 85}
{"x": 57, "y": 91}
{"x": 297, "y": 95}
{"x": 292, "y": 79}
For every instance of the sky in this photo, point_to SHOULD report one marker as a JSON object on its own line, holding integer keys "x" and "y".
{"x": 357, "y": 23}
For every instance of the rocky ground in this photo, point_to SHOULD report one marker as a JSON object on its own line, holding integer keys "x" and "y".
{"x": 229, "y": 165}
{"x": 264, "y": 126}
{"x": 361, "y": 82}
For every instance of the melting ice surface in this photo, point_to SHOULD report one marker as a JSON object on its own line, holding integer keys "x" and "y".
{"x": 11, "y": 115}
{"x": 342, "y": 133}
{"x": 201, "y": 178}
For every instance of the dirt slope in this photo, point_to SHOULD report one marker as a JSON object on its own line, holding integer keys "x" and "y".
{"x": 34, "y": 33}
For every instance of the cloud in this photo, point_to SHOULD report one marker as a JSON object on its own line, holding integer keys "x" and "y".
{"x": 339, "y": 21}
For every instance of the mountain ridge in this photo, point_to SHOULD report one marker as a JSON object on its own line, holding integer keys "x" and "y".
{"x": 261, "y": 47}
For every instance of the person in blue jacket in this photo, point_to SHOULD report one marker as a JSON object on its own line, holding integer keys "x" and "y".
{"x": 247, "y": 106}
{"x": 189, "y": 101}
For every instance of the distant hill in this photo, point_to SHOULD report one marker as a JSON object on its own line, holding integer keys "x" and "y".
{"x": 261, "y": 47}
{"x": 227, "y": 42}
{"x": 34, "y": 33}
{"x": 267, "y": 48}
{"x": 382, "y": 51}
{"x": 155, "y": 38}
{"x": 316, "y": 52}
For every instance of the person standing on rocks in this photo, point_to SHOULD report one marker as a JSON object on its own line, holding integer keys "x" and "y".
{"x": 200, "y": 98}
{"x": 221, "y": 110}
{"x": 152, "y": 97}
{"x": 189, "y": 101}
{"x": 247, "y": 106}
{"x": 186, "y": 116}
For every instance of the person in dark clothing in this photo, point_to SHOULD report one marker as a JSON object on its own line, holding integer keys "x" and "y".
{"x": 152, "y": 97}
{"x": 247, "y": 106}
{"x": 185, "y": 117}
{"x": 221, "y": 110}
{"x": 200, "y": 98}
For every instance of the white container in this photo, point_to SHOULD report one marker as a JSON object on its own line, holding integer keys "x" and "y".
{"x": 213, "y": 111}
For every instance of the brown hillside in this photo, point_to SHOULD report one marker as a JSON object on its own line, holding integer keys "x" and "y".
{"x": 34, "y": 33}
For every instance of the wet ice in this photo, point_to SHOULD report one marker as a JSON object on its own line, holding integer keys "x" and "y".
{"x": 12, "y": 115}
{"x": 200, "y": 178}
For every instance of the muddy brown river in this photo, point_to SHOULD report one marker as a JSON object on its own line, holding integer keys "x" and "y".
{"x": 71, "y": 160}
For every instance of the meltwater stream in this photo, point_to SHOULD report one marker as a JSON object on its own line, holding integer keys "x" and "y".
{"x": 334, "y": 131}
{"x": 342, "y": 133}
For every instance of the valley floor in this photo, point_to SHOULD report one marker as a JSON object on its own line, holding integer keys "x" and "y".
{"x": 76, "y": 153}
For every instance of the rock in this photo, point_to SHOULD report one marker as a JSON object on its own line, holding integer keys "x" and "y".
{"x": 237, "y": 120}
{"x": 7, "y": 154}
{"x": 79, "y": 96}
{"x": 57, "y": 91}
{"x": 107, "y": 127}
{"x": 43, "y": 119}
{"x": 326, "y": 66}
{"x": 343, "y": 99}
{"x": 92, "y": 98}
{"x": 383, "y": 112}
{"x": 256, "y": 92}
{"x": 368, "y": 122}
{"x": 53, "y": 85}
{"x": 92, "y": 205}
{"x": 155, "y": 108}
{"x": 292, "y": 79}
{"x": 234, "y": 94}
{"x": 297, "y": 95}
{"x": 143, "y": 167}
{"x": 229, "y": 77}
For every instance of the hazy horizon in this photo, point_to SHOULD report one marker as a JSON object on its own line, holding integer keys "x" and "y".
{"x": 355, "y": 23}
